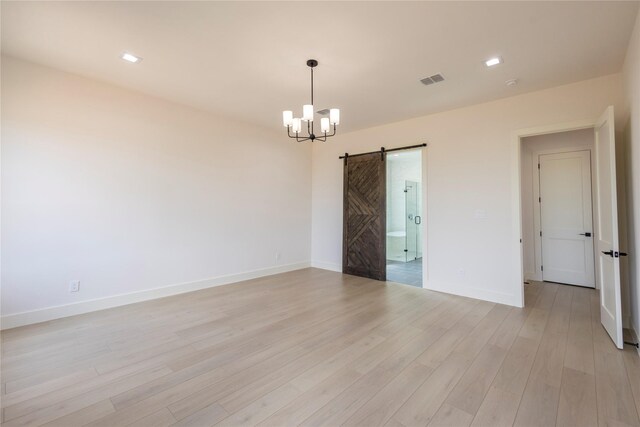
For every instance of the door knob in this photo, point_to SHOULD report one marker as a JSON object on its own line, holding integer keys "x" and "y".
{"x": 587, "y": 234}
{"x": 610, "y": 253}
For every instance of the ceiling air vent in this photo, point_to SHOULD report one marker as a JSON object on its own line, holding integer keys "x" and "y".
{"x": 436, "y": 78}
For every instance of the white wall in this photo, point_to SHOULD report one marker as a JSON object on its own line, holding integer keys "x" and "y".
{"x": 532, "y": 146}
{"x": 631, "y": 74}
{"x": 129, "y": 193}
{"x": 472, "y": 246}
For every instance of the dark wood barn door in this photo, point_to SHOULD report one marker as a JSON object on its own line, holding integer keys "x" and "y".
{"x": 364, "y": 242}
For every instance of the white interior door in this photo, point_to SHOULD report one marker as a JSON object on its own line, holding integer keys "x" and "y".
{"x": 566, "y": 218}
{"x": 607, "y": 228}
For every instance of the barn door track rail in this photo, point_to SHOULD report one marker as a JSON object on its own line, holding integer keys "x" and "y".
{"x": 382, "y": 150}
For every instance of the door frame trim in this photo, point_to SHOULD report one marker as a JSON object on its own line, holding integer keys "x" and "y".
{"x": 516, "y": 191}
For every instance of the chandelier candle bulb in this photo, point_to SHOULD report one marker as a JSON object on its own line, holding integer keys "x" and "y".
{"x": 324, "y": 124}
{"x": 287, "y": 118}
{"x": 297, "y": 125}
{"x": 334, "y": 116}
{"x": 307, "y": 113}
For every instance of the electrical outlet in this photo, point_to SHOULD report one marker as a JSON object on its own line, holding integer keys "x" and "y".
{"x": 74, "y": 286}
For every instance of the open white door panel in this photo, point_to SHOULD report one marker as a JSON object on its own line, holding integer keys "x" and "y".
{"x": 608, "y": 253}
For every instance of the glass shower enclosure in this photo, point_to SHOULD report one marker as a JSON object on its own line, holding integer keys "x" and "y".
{"x": 413, "y": 221}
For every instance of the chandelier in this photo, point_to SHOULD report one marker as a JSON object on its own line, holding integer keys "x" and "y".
{"x": 294, "y": 124}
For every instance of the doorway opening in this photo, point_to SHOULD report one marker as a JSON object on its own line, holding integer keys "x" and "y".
{"x": 557, "y": 207}
{"x": 605, "y": 231}
{"x": 404, "y": 217}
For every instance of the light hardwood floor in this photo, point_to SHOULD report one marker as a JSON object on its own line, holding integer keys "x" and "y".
{"x": 313, "y": 347}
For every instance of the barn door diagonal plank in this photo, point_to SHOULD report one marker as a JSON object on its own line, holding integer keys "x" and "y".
{"x": 364, "y": 226}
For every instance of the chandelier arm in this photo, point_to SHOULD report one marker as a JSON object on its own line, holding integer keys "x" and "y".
{"x": 296, "y": 137}
{"x": 334, "y": 131}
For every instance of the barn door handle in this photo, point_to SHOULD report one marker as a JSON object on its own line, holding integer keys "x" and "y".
{"x": 610, "y": 253}
{"x": 587, "y": 234}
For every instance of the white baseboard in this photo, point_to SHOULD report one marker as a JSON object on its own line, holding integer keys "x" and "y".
{"x": 475, "y": 293}
{"x": 50, "y": 313}
{"x": 327, "y": 266}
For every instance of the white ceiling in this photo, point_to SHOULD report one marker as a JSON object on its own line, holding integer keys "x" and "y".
{"x": 247, "y": 59}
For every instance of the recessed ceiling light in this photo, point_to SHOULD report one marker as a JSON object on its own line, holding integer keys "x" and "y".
{"x": 130, "y": 57}
{"x": 491, "y": 62}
